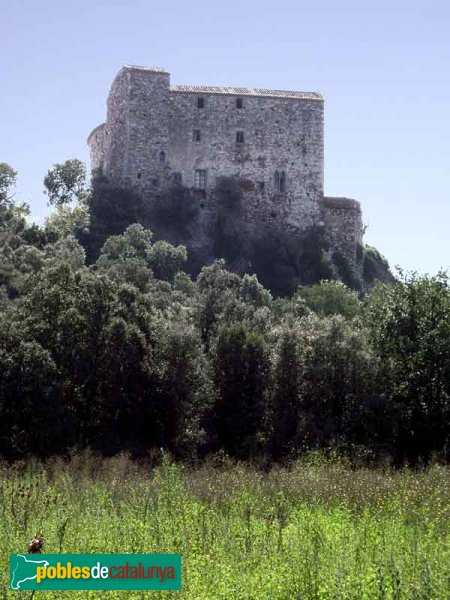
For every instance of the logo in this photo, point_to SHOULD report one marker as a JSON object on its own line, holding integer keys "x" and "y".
{"x": 95, "y": 571}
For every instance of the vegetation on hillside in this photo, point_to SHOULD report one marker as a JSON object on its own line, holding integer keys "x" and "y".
{"x": 126, "y": 352}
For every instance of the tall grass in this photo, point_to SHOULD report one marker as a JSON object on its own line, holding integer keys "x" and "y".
{"x": 318, "y": 530}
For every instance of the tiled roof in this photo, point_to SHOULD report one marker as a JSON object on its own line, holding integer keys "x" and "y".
{"x": 235, "y": 91}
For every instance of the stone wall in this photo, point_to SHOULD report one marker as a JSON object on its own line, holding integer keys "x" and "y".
{"x": 117, "y": 128}
{"x": 280, "y": 134}
{"x": 342, "y": 218}
{"x": 156, "y": 133}
{"x": 96, "y": 141}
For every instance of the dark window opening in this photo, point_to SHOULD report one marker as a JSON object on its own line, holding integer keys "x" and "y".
{"x": 239, "y": 137}
{"x": 177, "y": 177}
{"x": 239, "y": 103}
{"x": 199, "y": 194}
{"x": 162, "y": 156}
{"x": 200, "y": 179}
{"x": 197, "y": 135}
{"x": 273, "y": 214}
{"x": 200, "y": 103}
{"x": 280, "y": 181}
{"x": 139, "y": 175}
{"x": 202, "y": 205}
{"x": 262, "y": 186}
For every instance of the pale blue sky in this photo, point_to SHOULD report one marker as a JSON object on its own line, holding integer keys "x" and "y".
{"x": 383, "y": 68}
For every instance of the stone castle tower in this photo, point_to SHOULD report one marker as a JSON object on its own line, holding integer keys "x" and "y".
{"x": 272, "y": 141}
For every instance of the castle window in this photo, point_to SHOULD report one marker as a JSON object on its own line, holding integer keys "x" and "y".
{"x": 239, "y": 137}
{"x": 239, "y": 103}
{"x": 200, "y": 179}
{"x": 162, "y": 156}
{"x": 197, "y": 135}
{"x": 200, "y": 102}
{"x": 139, "y": 175}
{"x": 280, "y": 181}
{"x": 261, "y": 186}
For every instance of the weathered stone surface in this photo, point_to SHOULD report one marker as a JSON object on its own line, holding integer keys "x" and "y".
{"x": 342, "y": 218}
{"x": 273, "y": 141}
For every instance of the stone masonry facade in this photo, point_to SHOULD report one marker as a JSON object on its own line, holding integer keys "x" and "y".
{"x": 156, "y": 134}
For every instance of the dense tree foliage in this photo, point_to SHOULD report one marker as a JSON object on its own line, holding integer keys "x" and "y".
{"x": 172, "y": 212}
{"x": 8, "y": 178}
{"x": 128, "y": 352}
{"x": 241, "y": 367}
{"x": 410, "y": 329}
{"x": 65, "y": 182}
{"x": 111, "y": 210}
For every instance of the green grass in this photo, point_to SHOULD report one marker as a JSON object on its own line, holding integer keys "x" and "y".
{"x": 315, "y": 531}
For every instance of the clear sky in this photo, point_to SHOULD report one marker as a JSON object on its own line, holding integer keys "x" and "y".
{"x": 383, "y": 68}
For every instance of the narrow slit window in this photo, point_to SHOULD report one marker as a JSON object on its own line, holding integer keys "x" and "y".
{"x": 280, "y": 181}
{"x": 239, "y": 103}
{"x": 200, "y": 102}
{"x": 162, "y": 157}
{"x": 197, "y": 135}
{"x": 239, "y": 137}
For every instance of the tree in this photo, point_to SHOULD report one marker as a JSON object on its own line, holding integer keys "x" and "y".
{"x": 134, "y": 271}
{"x": 65, "y": 182}
{"x": 253, "y": 292}
{"x": 340, "y": 376}
{"x": 217, "y": 287}
{"x": 283, "y": 260}
{"x": 21, "y": 248}
{"x": 126, "y": 383}
{"x": 185, "y": 391}
{"x": 66, "y": 249}
{"x": 329, "y": 298}
{"x": 241, "y": 367}
{"x": 67, "y": 220}
{"x": 172, "y": 211}
{"x": 288, "y": 370}
{"x": 161, "y": 258}
{"x": 32, "y": 421}
{"x": 410, "y": 328}
{"x": 7, "y": 180}
{"x": 111, "y": 210}
{"x": 166, "y": 260}
{"x": 135, "y": 242}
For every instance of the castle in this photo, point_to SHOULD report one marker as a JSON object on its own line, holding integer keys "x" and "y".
{"x": 272, "y": 141}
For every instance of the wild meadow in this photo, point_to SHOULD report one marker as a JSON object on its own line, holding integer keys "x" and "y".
{"x": 317, "y": 529}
